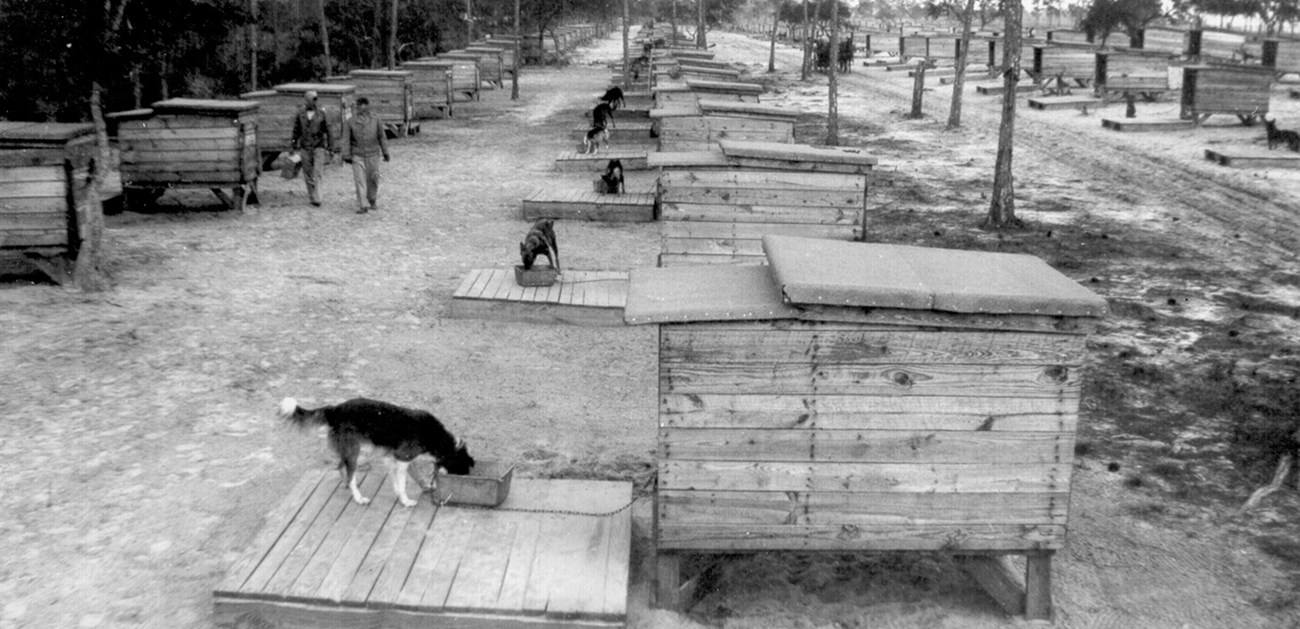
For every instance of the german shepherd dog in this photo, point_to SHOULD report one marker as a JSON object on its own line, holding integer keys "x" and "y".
{"x": 540, "y": 241}
{"x": 1278, "y": 136}
{"x": 594, "y": 138}
{"x": 402, "y": 433}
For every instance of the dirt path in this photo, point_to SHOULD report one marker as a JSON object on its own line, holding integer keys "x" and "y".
{"x": 140, "y": 450}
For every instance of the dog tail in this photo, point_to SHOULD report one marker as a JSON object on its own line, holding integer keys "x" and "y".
{"x": 289, "y": 410}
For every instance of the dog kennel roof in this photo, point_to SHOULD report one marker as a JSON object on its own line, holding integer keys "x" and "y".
{"x": 810, "y": 272}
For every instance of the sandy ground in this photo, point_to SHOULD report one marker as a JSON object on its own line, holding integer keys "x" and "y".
{"x": 140, "y": 450}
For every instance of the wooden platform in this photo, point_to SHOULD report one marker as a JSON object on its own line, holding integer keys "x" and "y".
{"x": 323, "y": 561}
{"x": 1146, "y": 124}
{"x": 623, "y": 131}
{"x": 1064, "y": 102}
{"x": 573, "y": 161}
{"x": 589, "y": 205}
{"x": 580, "y": 297}
{"x": 1254, "y": 158}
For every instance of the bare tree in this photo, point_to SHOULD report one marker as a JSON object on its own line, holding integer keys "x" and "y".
{"x": 832, "y": 114}
{"x": 776, "y": 21}
{"x": 700, "y": 40}
{"x": 1002, "y": 210}
{"x": 325, "y": 37}
{"x": 252, "y": 45}
{"x": 392, "y": 34}
{"x": 627, "y": 71}
{"x": 514, "y": 76}
{"x": 963, "y": 54}
{"x": 807, "y": 39}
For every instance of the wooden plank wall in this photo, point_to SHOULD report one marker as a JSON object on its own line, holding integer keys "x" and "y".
{"x": 390, "y": 96}
{"x": 913, "y": 46}
{"x": 505, "y": 47}
{"x": 1077, "y": 62}
{"x": 1122, "y": 71}
{"x": 492, "y": 62}
{"x": 181, "y": 150}
{"x": 431, "y": 89}
{"x": 1282, "y": 55}
{"x": 1221, "y": 45}
{"x": 836, "y": 436}
{"x": 700, "y": 133}
{"x": 465, "y": 79}
{"x": 1067, "y": 37}
{"x": 276, "y": 112}
{"x": 1165, "y": 40}
{"x": 34, "y": 206}
{"x": 720, "y": 216}
{"x": 1237, "y": 90}
{"x": 944, "y": 48}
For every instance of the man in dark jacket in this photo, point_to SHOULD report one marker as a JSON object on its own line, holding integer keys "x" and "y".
{"x": 363, "y": 143}
{"x": 312, "y": 142}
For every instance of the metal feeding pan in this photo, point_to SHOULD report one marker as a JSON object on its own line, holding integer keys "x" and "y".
{"x": 536, "y": 276}
{"x": 487, "y": 485}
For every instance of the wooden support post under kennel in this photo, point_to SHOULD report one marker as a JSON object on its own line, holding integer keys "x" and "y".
{"x": 192, "y": 143}
{"x": 44, "y": 193}
{"x": 855, "y": 397}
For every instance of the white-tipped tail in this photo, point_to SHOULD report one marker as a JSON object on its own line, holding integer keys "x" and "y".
{"x": 287, "y": 407}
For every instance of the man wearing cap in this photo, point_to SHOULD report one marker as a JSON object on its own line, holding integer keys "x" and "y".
{"x": 313, "y": 142}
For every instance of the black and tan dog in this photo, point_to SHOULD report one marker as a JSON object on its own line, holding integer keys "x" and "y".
{"x": 402, "y": 433}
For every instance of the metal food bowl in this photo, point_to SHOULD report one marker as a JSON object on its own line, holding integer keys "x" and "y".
{"x": 486, "y": 485}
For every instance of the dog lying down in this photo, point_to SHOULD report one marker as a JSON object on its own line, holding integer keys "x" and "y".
{"x": 402, "y": 433}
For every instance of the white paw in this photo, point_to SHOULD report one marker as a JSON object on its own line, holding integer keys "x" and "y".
{"x": 406, "y": 502}
{"x": 361, "y": 500}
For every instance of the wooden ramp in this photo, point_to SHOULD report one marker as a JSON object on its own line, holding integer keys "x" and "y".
{"x": 1064, "y": 102}
{"x": 588, "y": 205}
{"x": 1254, "y": 158}
{"x": 573, "y": 161}
{"x": 1146, "y": 124}
{"x": 579, "y": 297}
{"x": 998, "y": 88}
{"x": 322, "y": 560}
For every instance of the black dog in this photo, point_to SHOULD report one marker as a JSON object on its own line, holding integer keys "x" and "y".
{"x": 602, "y": 116}
{"x": 613, "y": 96}
{"x": 613, "y": 177}
{"x": 1281, "y": 136}
{"x": 540, "y": 241}
{"x": 404, "y": 433}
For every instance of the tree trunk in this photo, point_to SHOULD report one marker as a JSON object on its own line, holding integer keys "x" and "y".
{"x": 771, "y": 53}
{"x": 627, "y": 68}
{"x": 1002, "y": 210}
{"x": 376, "y": 33}
{"x": 963, "y": 56}
{"x": 392, "y": 35}
{"x": 832, "y": 114}
{"x": 325, "y": 38}
{"x": 514, "y": 79}
{"x": 918, "y": 89}
{"x": 803, "y": 72}
{"x": 700, "y": 41}
{"x": 469, "y": 22}
{"x": 252, "y": 46}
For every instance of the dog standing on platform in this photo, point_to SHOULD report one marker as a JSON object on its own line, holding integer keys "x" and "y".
{"x": 594, "y": 138}
{"x": 613, "y": 177}
{"x": 402, "y": 433}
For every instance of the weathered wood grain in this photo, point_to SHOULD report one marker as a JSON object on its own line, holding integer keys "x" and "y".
{"x": 852, "y": 411}
{"x": 947, "y": 538}
{"x": 879, "y": 379}
{"x": 861, "y": 509}
{"x": 864, "y": 446}
{"x": 858, "y": 477}
{"x": 763, "y": 342}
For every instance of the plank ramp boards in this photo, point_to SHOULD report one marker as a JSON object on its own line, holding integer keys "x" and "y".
{"x": 998, "y": 88}
{"x": 1254, "y": 158}
{"x": 1146, "y": 124}
{"x": 323, "y": 561}
{"x": 579, "y": 297}
{"x": 571, "y": 203}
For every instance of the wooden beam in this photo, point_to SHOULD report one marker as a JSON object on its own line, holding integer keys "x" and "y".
{"x": 1038, "y": 585}
{"x": 998, "y": 579}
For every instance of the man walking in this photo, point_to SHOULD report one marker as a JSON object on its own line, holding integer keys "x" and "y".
{"x": 363, "y": 144}
{"x": 312, "y": 142}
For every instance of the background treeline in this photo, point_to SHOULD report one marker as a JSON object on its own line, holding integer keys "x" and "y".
{"x": 141, "y": 51}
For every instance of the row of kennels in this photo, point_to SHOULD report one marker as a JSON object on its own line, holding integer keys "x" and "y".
{"x": 865, "y": 397}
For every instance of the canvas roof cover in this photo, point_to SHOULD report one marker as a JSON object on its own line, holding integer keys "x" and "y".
{"x": 819, "y": 272}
